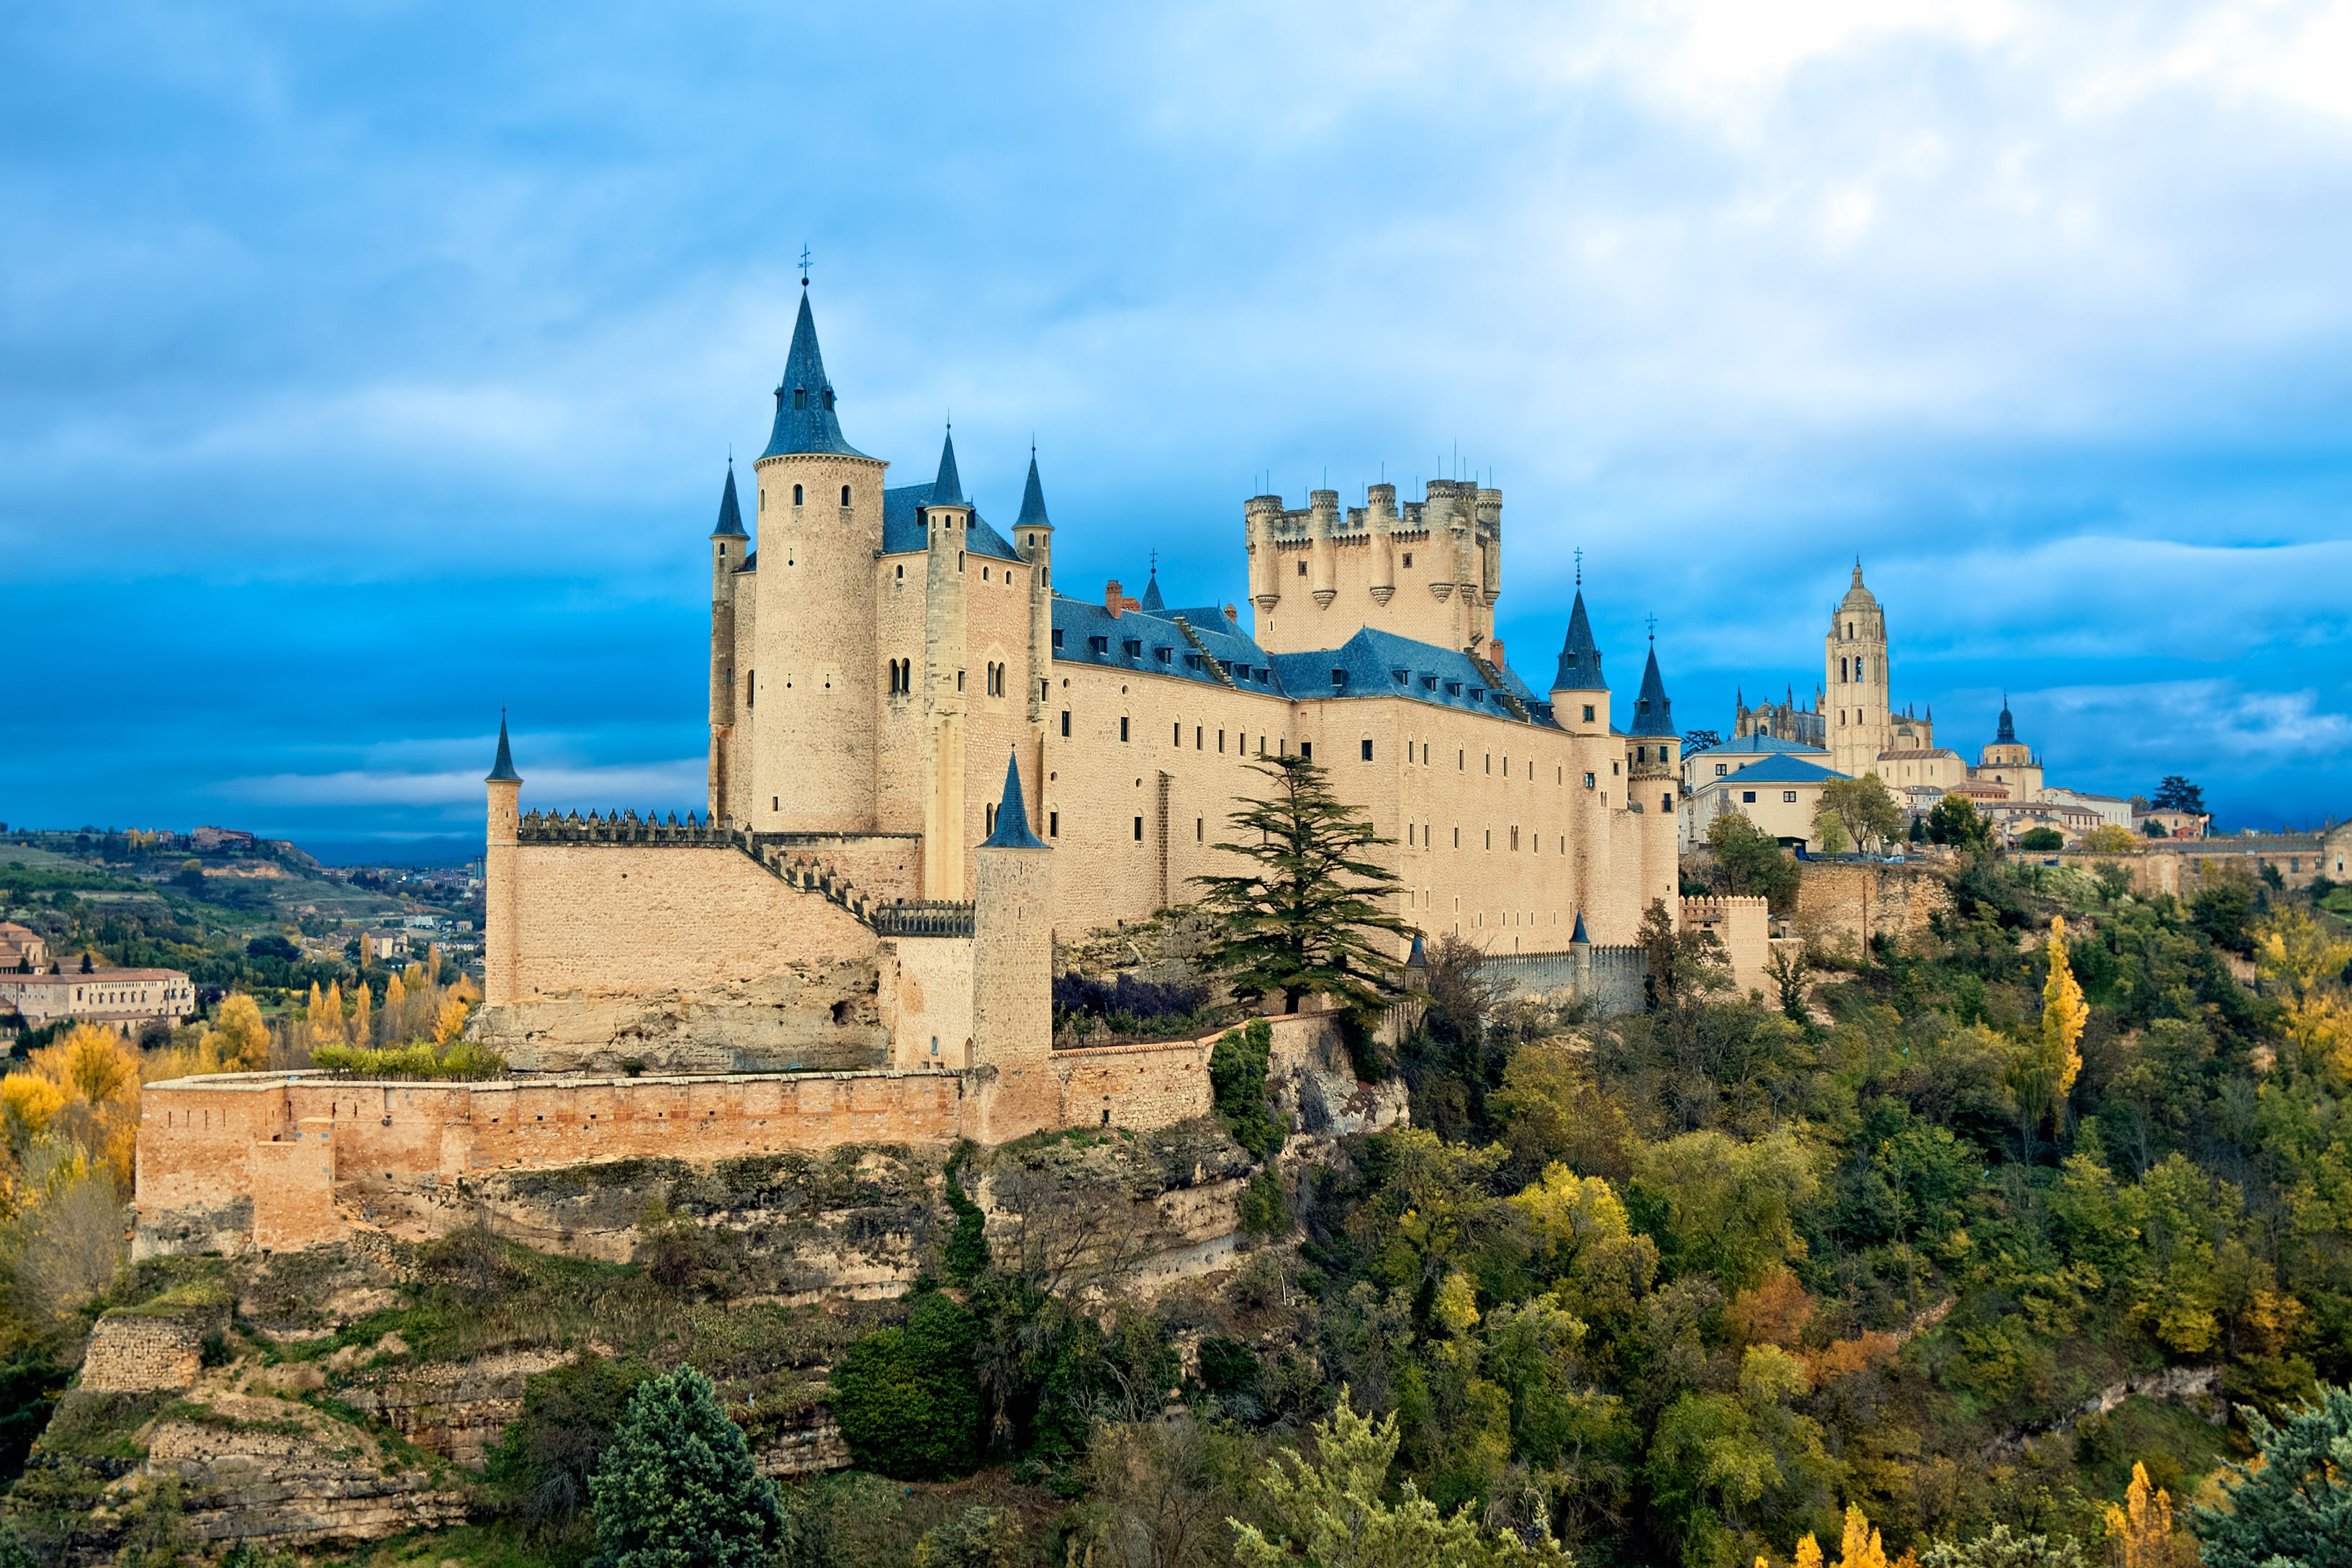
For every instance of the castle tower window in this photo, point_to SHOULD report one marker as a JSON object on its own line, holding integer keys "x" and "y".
{"x": 1066, "y": 724}
{"x": 1367, "y": 745}
{"x": 1302, "y": 569}
{"x": 1200, "y": 829}
{"x": 1052, "y": 825}
{"x": 1138, "y": 830}
{"x": 1408, "y": 559}
{"x": 1176, "y": 733}
{"x": 800, "y": 398}
{"x": 828, "y": 398}
{"x": 796, "y": 494}
{"x": 1122, "y": 727}
{"x": 902, "y": 570}
{"x": 844, "y": 495}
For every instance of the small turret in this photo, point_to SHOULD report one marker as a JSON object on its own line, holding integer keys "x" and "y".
{"x": 1012, "y": 830}
{"x": 1580, "y": 672}
{"x": 504, "y": 787}
{"x": 1033, "y": 541}
{"x": 1152, "y": 603}
{"x": 1013, "y": 974}
{"x": 1653, "y": 714}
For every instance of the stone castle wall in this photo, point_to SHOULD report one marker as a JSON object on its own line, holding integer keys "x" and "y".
{"x": 1842, "y": 904}
{"x": 284, "y": 1161}
{"x": 129, "y": 1353}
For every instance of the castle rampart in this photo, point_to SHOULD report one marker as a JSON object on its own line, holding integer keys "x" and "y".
{"x": 281, "y": 1161}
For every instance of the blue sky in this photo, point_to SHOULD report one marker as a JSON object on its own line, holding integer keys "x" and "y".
{"x": 362, "y": 371}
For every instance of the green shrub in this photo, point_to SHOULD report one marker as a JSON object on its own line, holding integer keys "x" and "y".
{"x": 908, "y": 1399}
{"x": 967, "y": 1250}
{"x": 1263, "y": 1210}
{"x": 1237, "y": 1066}
{"x": 541, "y": 1468}
{"x": 2041, "y": 841}
{"x": 419, "y": 1058}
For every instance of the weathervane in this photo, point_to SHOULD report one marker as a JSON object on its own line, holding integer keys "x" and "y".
{"x": 1579, "y": 566}
{"x": 1654, "y": 628}
{"x": 804, "y": 261}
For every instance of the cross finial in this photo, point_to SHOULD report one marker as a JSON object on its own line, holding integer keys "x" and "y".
{"x": 1579, "y": 566}
{"x": 805, "y": 264}
{"x": 1155, "y": 563}
{"x": 1654, "y": 628}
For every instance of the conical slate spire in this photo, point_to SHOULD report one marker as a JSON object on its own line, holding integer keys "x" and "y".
{"x": 503, "y": 769}
{"x": 1580, "y": 659}
{"x": 1577, "y": 934}
{"x": 1653, "y": 714}
{"x": 1151, "y": 601}
{"x": 1032, "y": 500}
{"x": 730, "y": 514}
{"x": 804, "y": 417}
{"x": 1013, "y": 816}
{"x": 948, "y": 489}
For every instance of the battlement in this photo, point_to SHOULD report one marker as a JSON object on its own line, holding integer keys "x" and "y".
{"x": 1448, "y": 504}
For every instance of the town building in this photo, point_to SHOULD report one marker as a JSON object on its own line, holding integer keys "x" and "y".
{"x": 22, "y": 949}
{"x": 1779, "y": 792}
{"x": 120, "y": 999}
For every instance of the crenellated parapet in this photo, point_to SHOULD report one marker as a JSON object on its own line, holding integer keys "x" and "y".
{"x": 627, "y": 827}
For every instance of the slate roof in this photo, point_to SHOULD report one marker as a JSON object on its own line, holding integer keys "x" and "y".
{"x": 1368, "y": 664}
{"x": 1778, "y": 770}
{"x": 1032, "y": 500}
{"x": 1013, "y": 830}
{"x": 947, "y": 489}
{"x": 1653, "y": 714}
{"x": 1580, "y": 658}
{"x": 805, "y": 421}
{"x": 731, "y": 515}
{"x": 1751, "y": 745}
{"x": 903, "y": 531}
{"x": 503, "y": 769}
{"x": 1151, "y": 602}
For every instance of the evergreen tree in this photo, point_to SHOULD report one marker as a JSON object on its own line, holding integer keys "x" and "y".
{"x": 908, "y": 1399}
{"x": 1307, "y": 915}
{"x": 2176, "y": 794}
{"x": 677, "y": 1488}
{"x": 2295, "y": 1504}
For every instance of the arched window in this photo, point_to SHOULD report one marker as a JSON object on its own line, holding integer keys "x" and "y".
{"x": 844, "y": 495}
{"x": 796, "y": 494}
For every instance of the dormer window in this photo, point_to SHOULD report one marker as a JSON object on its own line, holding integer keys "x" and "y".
{"x": 1338, "y": 680}
{"x": 828, "y": 400}
{"x": 800, "y": 398}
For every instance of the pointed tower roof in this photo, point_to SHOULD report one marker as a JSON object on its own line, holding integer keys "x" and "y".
{"x": 1653, "y": 714}
{"x": 730, "y": 514}
{"x": 2007, "y": 734}
{"x": 1033, "y": 500}
{"x": 805, "y": 421}
{"x": 1577, "y": 934}
{"x": 1419, "y": 957}
{"x": 1580, "y": 660}
{"x": 503, "y": 769}
{"x": 1013, "y": 816}
{"x": 948, "y": 489}
{"x": 1151, "y": 601}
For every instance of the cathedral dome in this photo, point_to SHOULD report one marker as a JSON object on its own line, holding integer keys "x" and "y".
{"x": 1858, "y": 597}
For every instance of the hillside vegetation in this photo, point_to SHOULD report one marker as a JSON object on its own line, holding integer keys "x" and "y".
{"x": 1981, "y": 1250}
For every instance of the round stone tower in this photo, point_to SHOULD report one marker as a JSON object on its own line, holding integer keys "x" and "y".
{"x": 812, "y": 670}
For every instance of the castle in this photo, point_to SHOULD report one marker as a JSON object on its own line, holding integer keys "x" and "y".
{"x": 879, "y": 654}
{"x": 927, "y": 766}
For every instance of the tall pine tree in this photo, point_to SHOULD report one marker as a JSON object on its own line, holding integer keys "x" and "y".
{"x": 677, "y": 1488}
{"x": 1307, "y": 915}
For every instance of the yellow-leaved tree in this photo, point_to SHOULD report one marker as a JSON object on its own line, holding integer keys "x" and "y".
{"x": 363, "y": 1025}
{"x": 85, "y": 1090}
{"x": 2046, "y": 1074}
{"x": 2139, "y": 1532}
{"x": 239, "y": 1040}
{"x": 2306, "y": 959}
{"x": 1859, "y": 1547}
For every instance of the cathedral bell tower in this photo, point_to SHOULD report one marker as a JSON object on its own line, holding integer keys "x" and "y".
{"x": 1854, "y": 668}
